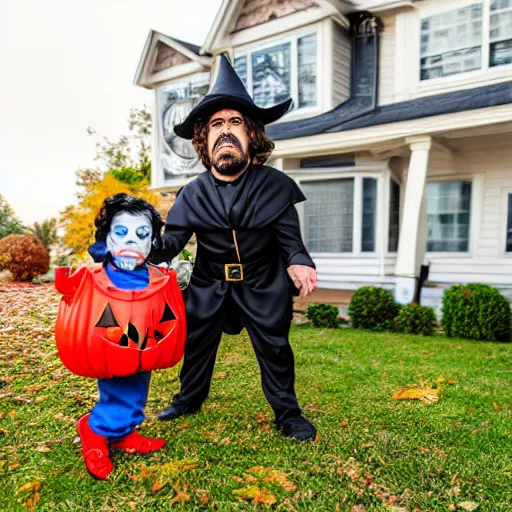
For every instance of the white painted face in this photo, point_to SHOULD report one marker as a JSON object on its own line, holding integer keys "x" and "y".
{"x": 129, "y": 239}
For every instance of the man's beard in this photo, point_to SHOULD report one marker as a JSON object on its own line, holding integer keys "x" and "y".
{"x": 229, "y": 164}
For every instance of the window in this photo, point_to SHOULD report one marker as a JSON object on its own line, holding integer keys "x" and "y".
{"x": 500, "y": 33}
{"x": 369, "y": 214}
{"x": 448, "y": 211}
{"x": 455, "y": 41}
{"x": 329, "y": 215}
{"x": 394, "y": 215}
{"x": 508, "y": 247}
{"x": 275, "y": 73}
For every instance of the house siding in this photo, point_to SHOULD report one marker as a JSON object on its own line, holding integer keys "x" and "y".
{"x": 491, "y": 169}
{"x": 340, "y": 65}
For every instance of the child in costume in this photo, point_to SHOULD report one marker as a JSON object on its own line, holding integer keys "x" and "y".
{"x": 117, "y": 322}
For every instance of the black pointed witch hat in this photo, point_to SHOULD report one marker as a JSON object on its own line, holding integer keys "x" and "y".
{"x": 229, "y": 92}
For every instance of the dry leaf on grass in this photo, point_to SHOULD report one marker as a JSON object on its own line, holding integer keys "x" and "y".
{"x": 181, "y": 497}
{"x": 424, "y": 393}
{"x": 344, "y": 423}
{"x": 468, "y": 505}
{"x": 220, "y": 375}
{"x": 274, "y": 476}
{"x": 157, "y": 486}
{"x": 255, "y": 494}
{"x": 30, "y": 486}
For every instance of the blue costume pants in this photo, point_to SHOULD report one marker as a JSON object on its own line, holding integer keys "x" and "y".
{"x": 120, "y": 408}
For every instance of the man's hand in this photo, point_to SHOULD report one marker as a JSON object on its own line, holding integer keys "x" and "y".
{"x": 304, "y": 278}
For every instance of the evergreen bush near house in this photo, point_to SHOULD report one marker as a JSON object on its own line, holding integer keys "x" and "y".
{"x": 415, "y": 319}
{"x": 24, "y": 256}
{"x": 322, "y": 314}
{"x": 373, "y": 308}
{"x": 476, "y": 311}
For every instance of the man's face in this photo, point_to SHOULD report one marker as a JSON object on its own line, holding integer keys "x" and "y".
{"x": 129, "y": 239}
{"x": 228, "y": 142}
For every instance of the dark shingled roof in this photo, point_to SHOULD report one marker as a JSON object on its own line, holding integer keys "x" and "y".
{"x": 357, "y": 113}
{"x": 189, "y": 46}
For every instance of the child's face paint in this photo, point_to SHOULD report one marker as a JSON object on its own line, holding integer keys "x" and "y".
{"x": 129, "y": 239}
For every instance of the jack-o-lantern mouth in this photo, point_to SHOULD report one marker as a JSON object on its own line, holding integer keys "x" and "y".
{"x": 132, "y": 337}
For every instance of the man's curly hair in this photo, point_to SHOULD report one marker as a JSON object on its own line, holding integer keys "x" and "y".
{"x": 260, "y": 146}
{"x": 125, "y": 203}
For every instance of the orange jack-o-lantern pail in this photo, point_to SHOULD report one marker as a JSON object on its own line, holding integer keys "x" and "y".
{"x": 103, "y": 331}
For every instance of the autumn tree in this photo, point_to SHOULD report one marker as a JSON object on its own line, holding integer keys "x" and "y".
{"x": 126, "y": 168}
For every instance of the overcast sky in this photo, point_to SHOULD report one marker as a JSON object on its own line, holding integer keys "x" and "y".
{"x": 67, "y": 65}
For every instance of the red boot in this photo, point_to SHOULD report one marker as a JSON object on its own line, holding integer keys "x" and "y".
{"x": 135, "y": 443}
{"x": 94, "y": 449}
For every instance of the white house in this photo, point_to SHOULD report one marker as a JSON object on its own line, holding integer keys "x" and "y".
{"x": 400, "y": 135}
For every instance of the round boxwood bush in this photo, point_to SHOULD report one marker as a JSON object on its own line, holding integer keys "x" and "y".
{"x": 415, "y": 319}
{"x": 373, "y": 308}
{"x": 322, "y": 314}
{"x": 24, "y": 256}
{"x": 477, "y": 312}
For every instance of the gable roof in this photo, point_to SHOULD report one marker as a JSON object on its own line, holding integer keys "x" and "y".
{"x": 352, "y": 115}
{"x": 226, "y": 19}
{"x": 154, "y": 42}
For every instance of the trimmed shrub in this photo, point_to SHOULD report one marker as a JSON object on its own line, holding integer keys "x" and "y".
{"x": 373, "y": 308}
{"x": 24, "y": 256}
{"x": 415, "y": 319}
{"x": 477, "y": 312}
{"x": 323, "y": 315}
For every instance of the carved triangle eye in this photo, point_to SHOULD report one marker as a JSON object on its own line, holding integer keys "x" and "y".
{"x": 133, "y": 333}
{"x": 168, "y": 314}
{"x": 107, "y": 318}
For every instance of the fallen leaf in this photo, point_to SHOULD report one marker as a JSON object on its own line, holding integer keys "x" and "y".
{"x": 315, "y": 409}
{"x": 424, "y": 394}
{"x": 30, "y": 486}
{"x": 451, "y": 381}
{"x": 226, "y": 441}
{"x": 35, "y": 387}
{"x": 477, "y": 431}
{"x": 368, "y": 445}
{"x": 181, "y": 427}
{"x": 132, "y": 505}
{"x": 344, "y": 423}
{"x": 220, "y": 375}
{"x": 202, "y": 496}
{"x": 424, "y": 450}
{"x": 454, "y": 478}
{"x": 384, "y": 375}
{"x": 452, "y": 507}
{"x": 468, "y": 505}
{"x": 261, "y": 417}
{"x": 496, "y": 406}
{"x": 157, "y": 486}
{"x": 42, "y": 448}
{"x": 358, "y": 508}
{"x": 13, "y": 466}
{"x": 274, "y": 476}
{"x": 255, "y": 494}
{"x": 181, "y": 497}
{"x": 440, "y": 380}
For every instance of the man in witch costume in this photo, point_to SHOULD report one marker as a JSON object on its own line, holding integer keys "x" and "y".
{"x": 250, "y": 257}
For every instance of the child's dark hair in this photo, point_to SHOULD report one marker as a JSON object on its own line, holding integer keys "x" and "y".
{"x": 125, "y": 203}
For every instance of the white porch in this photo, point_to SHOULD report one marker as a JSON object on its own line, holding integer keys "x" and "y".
{"x": 433, "y": 153}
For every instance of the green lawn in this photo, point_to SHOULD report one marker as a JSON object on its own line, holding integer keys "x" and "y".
{"x": 372, "y": 453}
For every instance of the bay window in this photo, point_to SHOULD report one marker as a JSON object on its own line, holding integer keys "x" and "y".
{"x": 474, "y": 36}
{"x": 274, "y": 73}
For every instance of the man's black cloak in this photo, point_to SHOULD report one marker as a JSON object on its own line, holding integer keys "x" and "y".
{"x": 267, "y": 230}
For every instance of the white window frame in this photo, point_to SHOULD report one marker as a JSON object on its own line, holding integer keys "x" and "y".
{"x": 358, "y": 175}
{"x": 474, "y": 214}
{"x": 504, "y": 221}
{"x": 292, "y": 38}
{"x": 408, "y": 57}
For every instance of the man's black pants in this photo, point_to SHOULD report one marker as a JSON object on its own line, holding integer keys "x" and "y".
{"x": 276, "y": 364}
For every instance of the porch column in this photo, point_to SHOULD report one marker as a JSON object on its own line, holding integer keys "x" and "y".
{"x": 413, "y": 230}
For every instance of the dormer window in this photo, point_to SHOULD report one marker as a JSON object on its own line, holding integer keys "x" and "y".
{"x": 475, "y": 36}
{"x": 275, "y": 72}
